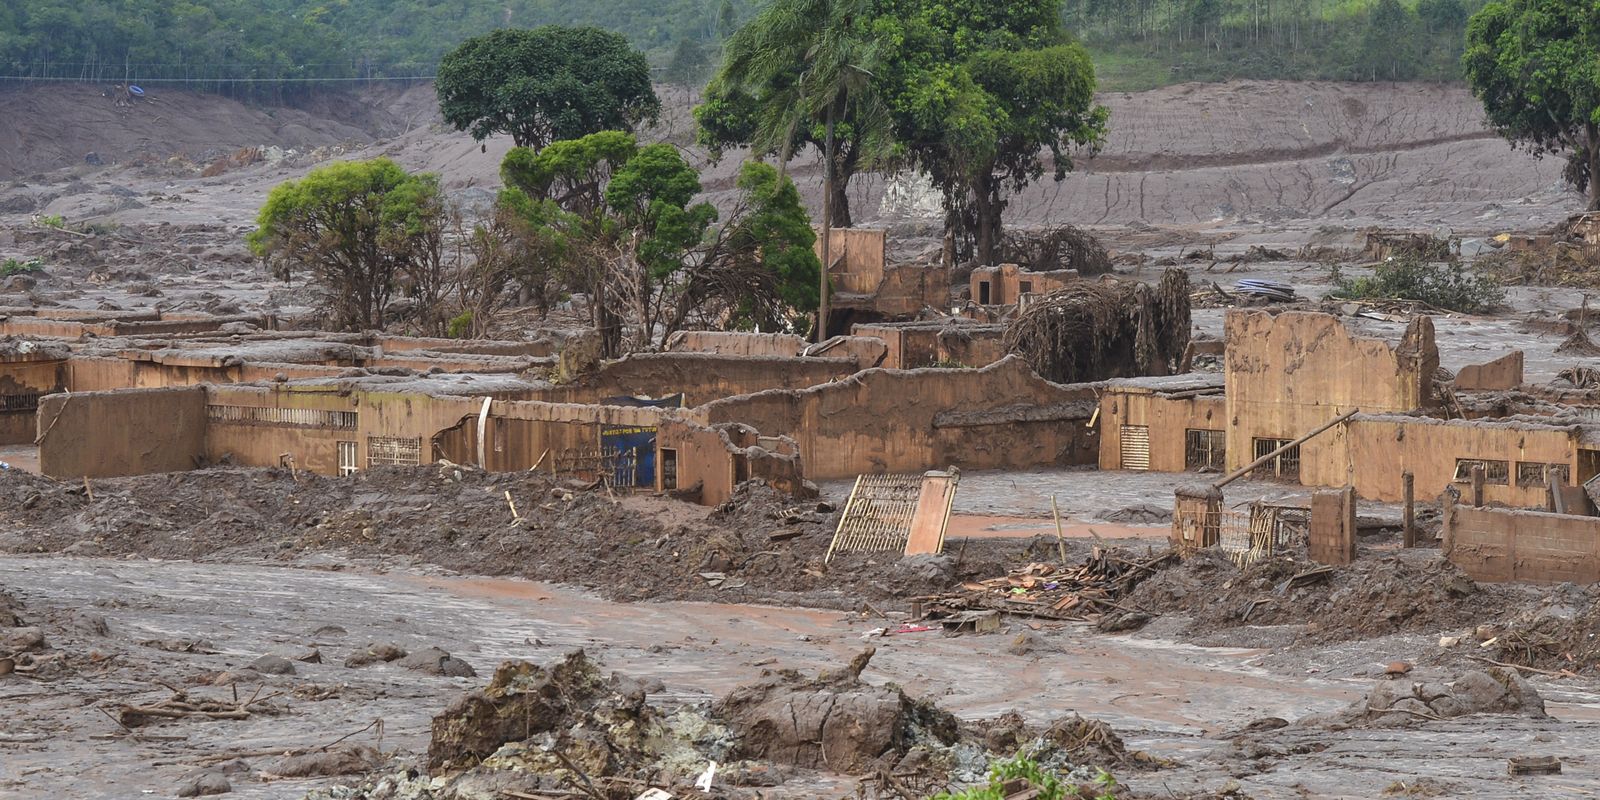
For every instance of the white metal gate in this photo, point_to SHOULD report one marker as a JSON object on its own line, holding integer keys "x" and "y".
{"x": 1136, "y": 447}
{"x": 347, "y": 458}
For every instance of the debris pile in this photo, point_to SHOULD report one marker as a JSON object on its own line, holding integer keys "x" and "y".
{"x": 1410, "y": 700}
{"x": 567, "y": 731}
{"x": 1559, "y": 635}
{"x": 1372, "y": 597}
{"x": 1065, "y": 247}
{"x": 567, "y": 727}
{"x": 763, "y": 545}
{"x": 1089, "y": 591}
{"x": 1090, "y": 331}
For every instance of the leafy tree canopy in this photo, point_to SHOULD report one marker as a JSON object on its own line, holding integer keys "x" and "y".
{"x": 545, "y": 84}
{"x": 1533, "y": 64}
{"x": 351, "y": 228}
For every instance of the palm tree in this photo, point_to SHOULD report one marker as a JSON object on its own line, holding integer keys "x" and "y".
{"x": 809, "y": 60}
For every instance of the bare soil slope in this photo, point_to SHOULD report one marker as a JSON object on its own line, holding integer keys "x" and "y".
{"x": 45, "y": 128}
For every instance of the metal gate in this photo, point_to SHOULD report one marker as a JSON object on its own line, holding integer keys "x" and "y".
{"x": 347, "y": 458}
{"x": 1136, "y": 447}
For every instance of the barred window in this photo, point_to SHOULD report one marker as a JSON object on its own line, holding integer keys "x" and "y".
{"x": 393, "y": 451}
{"x": 1494, "y": 471}
{"x": 294, "y": 417}
{"x": 1204, "y": 449}
{"x": 1284, "y": 466}
{"x": 19, "y": 403}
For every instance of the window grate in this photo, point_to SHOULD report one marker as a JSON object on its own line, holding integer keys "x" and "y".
{"x": 1283, "y": 466}
{"x": 1204, "y": 449}
{"x": 273, "y": 415}
{"x": 1495, "y": 472}
{"x": 393, "y": 451}
{"x": 19, "y": 403}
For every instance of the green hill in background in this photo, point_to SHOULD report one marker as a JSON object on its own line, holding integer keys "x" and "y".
{"x": 281, "y": 47}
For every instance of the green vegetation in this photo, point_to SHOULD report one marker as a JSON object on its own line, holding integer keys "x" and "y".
{"x": 12, "y": 266}
{"x": 800, "y": 63}
{"x": 545, "y": 84}
{"x": 272, "y": 48}
{"x": 278, "y": 48}
{"x": 1533, "y": 63}
{"x": 1450, "y": 285}
{"x": 354, "y": 230}
{"x": 1049, "y": 785}
{"x": 53, "y": 221}
{"x": 968, "y": 92}
{"x": 617, "y": 222}
{"x": 1142, "y": 44}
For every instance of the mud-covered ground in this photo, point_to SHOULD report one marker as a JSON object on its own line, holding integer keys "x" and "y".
{"x": 129, "y": 629}
{"x": 182, "y": 582}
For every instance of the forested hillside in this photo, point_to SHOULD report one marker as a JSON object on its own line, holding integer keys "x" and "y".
{"x": 245, "y": 47}
{"x": 1139, "y": 44}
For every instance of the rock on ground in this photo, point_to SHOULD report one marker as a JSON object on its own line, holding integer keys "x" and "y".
{"x": 834, "y": 721}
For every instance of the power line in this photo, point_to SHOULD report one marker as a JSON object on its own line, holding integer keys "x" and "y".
{"x": 218, "y": 80}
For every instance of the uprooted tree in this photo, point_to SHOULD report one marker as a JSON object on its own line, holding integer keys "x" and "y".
{"x": 354, "y": 230}
{"x": 651, "y": 260}
{"x": 1092, "y": 331}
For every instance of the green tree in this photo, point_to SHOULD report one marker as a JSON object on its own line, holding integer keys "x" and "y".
{"x": 689, "y": 63}
{"x": 353, "y": 228}
{"x": 805, "y": 61}
{"x": 1533, "y": 64}
{"x": 1388, "y": 46}
{"x": 761, "y": 271}
{"x": 980, "y": 92}
{"x": 545, "y": 84}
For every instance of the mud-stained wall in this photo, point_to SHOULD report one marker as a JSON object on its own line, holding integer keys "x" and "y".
{"x": 913, "y": 345}
{"x": 23, "y": 382}
{"x": 133, "y": 432}
{"x": 701, "y": 377}
{"x": 1166, "y": 421}
{"x": 309, "y": 423}
{"x": 862, "y": 251}
{"x": 999, "y": 417}
{"x": 1371, "y": 454}
{"x": 708, "y": 463}
{"x": 1289, "y": 373}
{"x": 908, "y": 289}
{"x": 539, "y": 348}
{"x": 736, "y": 343}
{"x": 1502, "y": 545}
{"x": 1005, "y": 284}
{"x": 1498, "y": 375}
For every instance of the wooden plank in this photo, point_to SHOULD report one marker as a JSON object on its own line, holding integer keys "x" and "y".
{"x": 931, "y": 517}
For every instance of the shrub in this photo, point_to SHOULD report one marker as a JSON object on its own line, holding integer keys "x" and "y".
{"x": 1452, "y": 285}
{"x": 12, "y": 266}
{"x": 1049, "y": 785}
{"x": 460, "y": 326}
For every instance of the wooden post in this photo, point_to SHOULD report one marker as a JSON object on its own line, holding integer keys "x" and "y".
{"x": 1558, "y": 497}
{"x": 1477, "y": 486}
{"x": 1409, "y": 513}
{"x": 1061, "y": 545}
